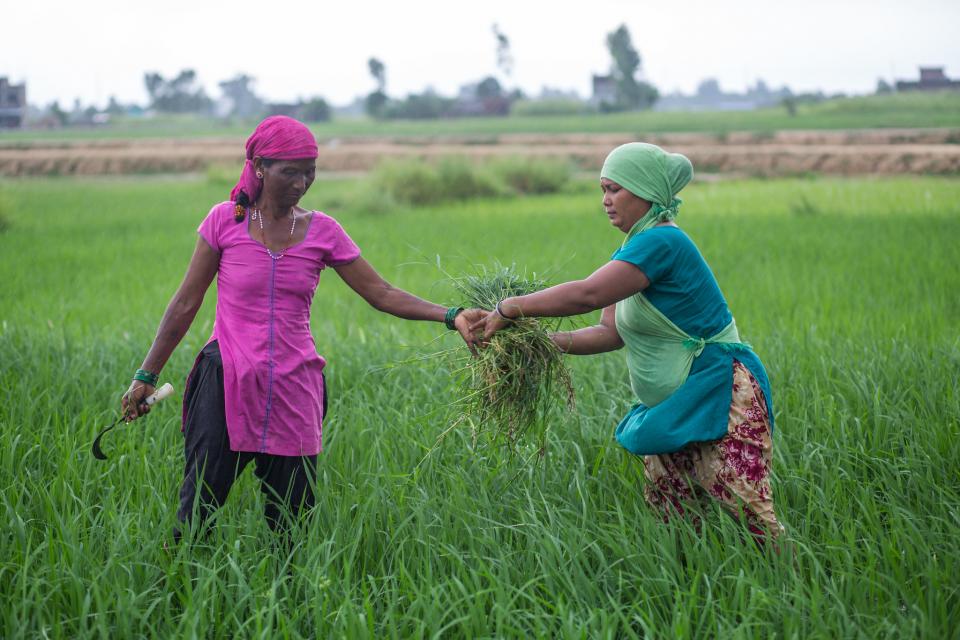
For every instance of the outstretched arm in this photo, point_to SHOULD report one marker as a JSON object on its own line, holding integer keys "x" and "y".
{"x": 590, "y": 340}
{"x": 176, "y": 321}
{"x": 383, "y": 296}
{"x": 608, "y": 285}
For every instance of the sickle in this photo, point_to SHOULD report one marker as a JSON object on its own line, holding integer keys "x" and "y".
{"x": 153, "y": 398}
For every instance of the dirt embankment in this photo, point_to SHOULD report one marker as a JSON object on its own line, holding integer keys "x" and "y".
{"x": 883, "y": 152}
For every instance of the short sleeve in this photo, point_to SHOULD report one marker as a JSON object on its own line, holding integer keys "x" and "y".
{"x": 210, "y": 228}
{"x": 341, "y": 248}
{"x": 652, "y": 253}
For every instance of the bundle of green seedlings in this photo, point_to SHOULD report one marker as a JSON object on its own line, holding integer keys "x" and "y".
{"x": 510, "y": 387}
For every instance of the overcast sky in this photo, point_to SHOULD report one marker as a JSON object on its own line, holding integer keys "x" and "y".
{"x": 93, "y": 49}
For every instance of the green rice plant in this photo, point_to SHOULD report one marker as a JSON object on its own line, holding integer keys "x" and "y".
{"x": 461, "y": 179}
{"x": 513, "y": 381}
{"x": 530, "y": 176}
{"x": 4, "y": 212}
{"x": 863, "y": 360}
{"x": 418, "y": 182}
{"x": 408, "y": 181}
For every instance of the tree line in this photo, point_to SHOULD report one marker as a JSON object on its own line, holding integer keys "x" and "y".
{"x": 489, "y": 96}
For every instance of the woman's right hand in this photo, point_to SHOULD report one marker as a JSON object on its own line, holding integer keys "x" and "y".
{"x": 133, "y": 404}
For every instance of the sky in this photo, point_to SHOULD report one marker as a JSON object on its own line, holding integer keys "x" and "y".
{"x": 95, "y": 49}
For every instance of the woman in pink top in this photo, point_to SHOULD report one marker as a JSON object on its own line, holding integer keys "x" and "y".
{"x": 256, "y": 391}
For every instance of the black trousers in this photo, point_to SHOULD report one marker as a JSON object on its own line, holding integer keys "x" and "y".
{"x": 211, "y": 467}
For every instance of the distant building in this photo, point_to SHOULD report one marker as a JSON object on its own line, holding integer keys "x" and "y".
{"x": 604, "y": 90}
{"x": 710, "y": 97}
{"x": 13, "y": 104}
{"x": 470, "y": 101}
{"x": 931, "y": 79}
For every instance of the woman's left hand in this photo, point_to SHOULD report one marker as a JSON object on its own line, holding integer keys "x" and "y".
{"x": 489, "y": 324}
{"x": 465, "y": 322}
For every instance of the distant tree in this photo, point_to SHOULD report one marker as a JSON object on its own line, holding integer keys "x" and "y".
{"x": 181, "y": 94}
{"x": 631, "y": 93}
{"x": 376, "y": 102}
{"x": 58, "y": 114}
{"x": 883, "y": 87}
{"x": 421, "y": 106}
{"x": 790, "y": 104}
{"x": 315, "y": 110}
{"x": 154, "y": 83}
{"x": 709, "y": 88}
{"x": 504, "y": 56}
{"x": 489, "y": 87}
{"x": 760, "y": 90}
{"x": 244, "y": 103}
{"x": 114, "y": 108}
{"x": 379, "y": 72}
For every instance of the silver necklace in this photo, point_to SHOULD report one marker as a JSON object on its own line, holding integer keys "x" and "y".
{"x": 258, "y": 216}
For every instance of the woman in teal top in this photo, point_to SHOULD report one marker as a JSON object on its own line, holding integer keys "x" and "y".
{"x": 702, "y": 417}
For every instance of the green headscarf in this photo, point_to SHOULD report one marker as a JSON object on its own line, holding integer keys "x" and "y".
{"x": 649, "y": 172}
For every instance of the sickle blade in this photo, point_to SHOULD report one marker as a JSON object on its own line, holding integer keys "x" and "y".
{"x": 95, "y": 449}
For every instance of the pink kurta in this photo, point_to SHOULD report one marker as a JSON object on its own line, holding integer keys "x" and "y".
{"x": 272, "y": 373}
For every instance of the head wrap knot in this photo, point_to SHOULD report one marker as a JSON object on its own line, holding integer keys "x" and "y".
{"x": 649, "y": 172}
{"x": 276, "y": 138}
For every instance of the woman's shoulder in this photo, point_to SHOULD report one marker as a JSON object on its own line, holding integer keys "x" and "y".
{"x": 673, "y": 237}
{"x": 662, "y": 238}
{"x": 322, "y": 218}
{"x": 223, "y": 209}
{"x": 325, "y": 233}
{"x": 322, "y": 223}
{"x": 669, "y": 233}
{"x": 214, "y": 227}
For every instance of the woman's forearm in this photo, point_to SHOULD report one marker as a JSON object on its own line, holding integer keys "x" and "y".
{"x": 567, "y": 299}
{"x": 587, "y": 341}
{"x": 402, "y": 304}
{"x": 610, "y": 283}
{"x": 383, "y": 296}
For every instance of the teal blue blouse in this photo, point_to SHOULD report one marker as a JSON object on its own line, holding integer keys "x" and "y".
{"x": 683, "y": 288}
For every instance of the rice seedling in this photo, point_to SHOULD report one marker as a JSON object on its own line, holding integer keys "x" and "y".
{"x": 510, "y": 386}
{"x": 854, "y": 315}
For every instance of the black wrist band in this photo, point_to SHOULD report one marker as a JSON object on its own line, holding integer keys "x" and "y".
{"x": 502, "y": 314}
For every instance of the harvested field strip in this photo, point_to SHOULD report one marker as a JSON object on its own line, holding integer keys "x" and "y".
{"x": 785, "y": 153}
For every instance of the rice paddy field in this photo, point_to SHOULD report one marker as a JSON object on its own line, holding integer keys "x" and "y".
{"x": 848, "y": 289}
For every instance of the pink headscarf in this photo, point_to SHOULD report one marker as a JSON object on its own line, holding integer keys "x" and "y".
{"x": 276, "y": 138}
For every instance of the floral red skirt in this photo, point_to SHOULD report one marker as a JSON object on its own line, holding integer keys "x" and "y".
{"x": 734, "y": 469}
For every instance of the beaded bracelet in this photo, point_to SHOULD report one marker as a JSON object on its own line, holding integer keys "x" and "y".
{"x": 145, "y": 376}
{"x": 451, "y": 315}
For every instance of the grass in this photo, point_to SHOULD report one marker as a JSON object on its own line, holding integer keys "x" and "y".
{"x": 419, "y": 182}
{"x": 907, "y": 110}
{"x": 850, "y": 299}
{"x": 508, "y": 389}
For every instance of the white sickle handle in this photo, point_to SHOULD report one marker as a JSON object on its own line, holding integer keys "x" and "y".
{"x": 159, "y": 394}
